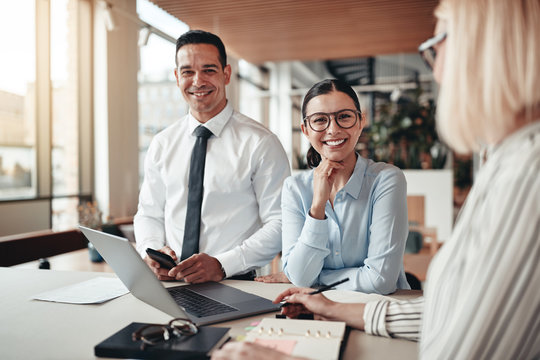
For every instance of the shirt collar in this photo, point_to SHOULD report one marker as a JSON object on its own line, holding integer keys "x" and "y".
{"x": 354, "y": 184}
{"x": 215, "y": 124}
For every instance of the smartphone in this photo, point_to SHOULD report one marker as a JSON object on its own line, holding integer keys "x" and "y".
{"x": 164, "y": 260}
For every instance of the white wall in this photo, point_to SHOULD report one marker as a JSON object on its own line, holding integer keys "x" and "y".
{"x": 280, "y": 122}
{"x": 24, "y": 216}
{"x": 437, "y": 187}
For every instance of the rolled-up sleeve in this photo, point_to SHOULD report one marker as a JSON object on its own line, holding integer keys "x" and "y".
{"x": 396, "y": 319}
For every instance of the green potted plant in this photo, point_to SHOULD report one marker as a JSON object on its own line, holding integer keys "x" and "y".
{"x": 404, "y": 134}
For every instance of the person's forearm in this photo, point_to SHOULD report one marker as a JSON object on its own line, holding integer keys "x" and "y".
{"x": 363, "y": 278}
{"x": 303, "y": 264}
{"x": 317, "y": 208}
{"x": 352, "y": 314}
{"x": 399, "y": 319}
{"x": 258, "y": 250}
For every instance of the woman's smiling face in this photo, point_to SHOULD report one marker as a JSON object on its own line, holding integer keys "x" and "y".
{"x": 334, "y": 143}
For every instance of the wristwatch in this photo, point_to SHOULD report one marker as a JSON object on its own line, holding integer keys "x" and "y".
{"x": 223, "y": 271}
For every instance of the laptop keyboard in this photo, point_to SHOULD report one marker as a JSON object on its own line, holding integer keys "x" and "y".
{"x": 197, "y": 304}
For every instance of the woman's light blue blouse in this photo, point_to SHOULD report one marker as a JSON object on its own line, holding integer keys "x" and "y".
{"x": 363, "y": 236}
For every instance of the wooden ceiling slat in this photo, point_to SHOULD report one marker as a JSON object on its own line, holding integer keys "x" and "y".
{"x": 278, "y": 30}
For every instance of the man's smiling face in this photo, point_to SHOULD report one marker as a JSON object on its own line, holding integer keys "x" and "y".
{"x": 202, "y": 80}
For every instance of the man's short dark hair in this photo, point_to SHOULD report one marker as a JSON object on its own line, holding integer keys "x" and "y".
{"x": 201, "y": 37}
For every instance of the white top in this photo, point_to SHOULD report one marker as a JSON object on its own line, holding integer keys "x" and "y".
{"x": 482, "y": 299}
{"x": 240, "y": 215}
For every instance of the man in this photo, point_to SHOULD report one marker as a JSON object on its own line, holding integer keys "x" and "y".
{"x": 245, "y": 165}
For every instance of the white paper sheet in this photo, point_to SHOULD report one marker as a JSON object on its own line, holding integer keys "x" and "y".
{"x": 93, "y": 291}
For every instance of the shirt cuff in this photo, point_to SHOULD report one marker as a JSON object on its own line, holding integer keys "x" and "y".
{"x": 150, "y": 243}
{"x": 231, "y": 262}
{"x": 315, "y": 232}
{"x": 375, "y": 318}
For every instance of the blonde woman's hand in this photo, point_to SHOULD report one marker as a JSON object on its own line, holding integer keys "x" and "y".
{"x": 301, "y": 302}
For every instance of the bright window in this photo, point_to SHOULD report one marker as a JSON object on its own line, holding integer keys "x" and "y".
{"x": 40, "y": 92}
{"x": 65, "y": 119}
{"x": 65, "y": 139}
{"x": 160, "y": 101}
{"x": 17, "y": 100}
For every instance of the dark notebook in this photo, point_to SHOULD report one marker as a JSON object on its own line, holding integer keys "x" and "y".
{"x": 198, "y": 346}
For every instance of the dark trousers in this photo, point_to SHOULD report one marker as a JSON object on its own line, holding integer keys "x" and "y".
{"x": 247, "y": 276}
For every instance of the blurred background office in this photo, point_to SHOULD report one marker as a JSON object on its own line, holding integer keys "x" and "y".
{"x": 86, "y": 84}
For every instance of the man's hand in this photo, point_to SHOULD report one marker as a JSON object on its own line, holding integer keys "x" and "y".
{"x": 198, "y": 268}
{"x": 161, "y": 273}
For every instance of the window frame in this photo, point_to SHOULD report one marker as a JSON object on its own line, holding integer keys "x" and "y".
{"x": 13, "y": 207}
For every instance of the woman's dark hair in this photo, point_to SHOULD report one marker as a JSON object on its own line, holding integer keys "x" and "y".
{"x": 202, "y": 37}
{"x": 322, "y": 88}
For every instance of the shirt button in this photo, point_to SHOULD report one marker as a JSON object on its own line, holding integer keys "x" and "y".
{"x": 337, "y": 252}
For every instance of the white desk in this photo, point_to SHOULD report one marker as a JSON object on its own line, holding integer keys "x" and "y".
{"x": 31, "y": 329}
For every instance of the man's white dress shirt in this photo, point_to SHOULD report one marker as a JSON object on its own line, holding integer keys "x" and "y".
{"x": 244, "y": 172}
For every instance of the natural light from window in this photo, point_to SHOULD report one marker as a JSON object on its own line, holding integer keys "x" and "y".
{"x": 160, "y": 102}
{"x": 17, "y": 100}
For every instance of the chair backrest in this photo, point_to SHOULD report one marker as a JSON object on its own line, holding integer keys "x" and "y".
{"x": 413, "y": 281}
{"x": 21, "y": 248}
{"x": 415, "y": 242}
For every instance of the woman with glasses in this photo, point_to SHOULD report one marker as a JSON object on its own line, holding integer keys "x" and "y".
{"x": 481, "y": 299}
{"x": 347, "y": 218}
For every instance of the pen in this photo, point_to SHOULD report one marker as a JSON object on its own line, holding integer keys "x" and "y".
{"x": 328, "y": 287}
{"x": 320, "y": 290}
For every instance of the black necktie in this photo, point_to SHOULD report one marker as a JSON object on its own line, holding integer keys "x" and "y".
{"x": 192, "y": 227}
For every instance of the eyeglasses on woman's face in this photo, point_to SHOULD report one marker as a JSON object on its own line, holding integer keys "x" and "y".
{"x": 320, "y": 121}
{"x": 427, "y": 49}
{"x": 153, "y": 334}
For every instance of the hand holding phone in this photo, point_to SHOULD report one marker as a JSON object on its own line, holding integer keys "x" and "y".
{"x": 164, "y": 260}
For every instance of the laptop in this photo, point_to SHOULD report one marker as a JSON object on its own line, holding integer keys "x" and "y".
{"x": 205, "y": 303}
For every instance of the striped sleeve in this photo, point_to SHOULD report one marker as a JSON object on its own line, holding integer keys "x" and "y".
{"x": 482, "y": 298}
{"x": 396, "y": 319}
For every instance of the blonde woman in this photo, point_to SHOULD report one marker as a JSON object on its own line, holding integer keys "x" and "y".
{"x": 481, "y": 299}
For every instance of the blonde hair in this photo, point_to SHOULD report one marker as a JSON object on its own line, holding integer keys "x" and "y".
{"x": 491, "y": 79}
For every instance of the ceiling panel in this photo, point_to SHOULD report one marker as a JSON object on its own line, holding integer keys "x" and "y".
{"x": 278, "y": 30}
